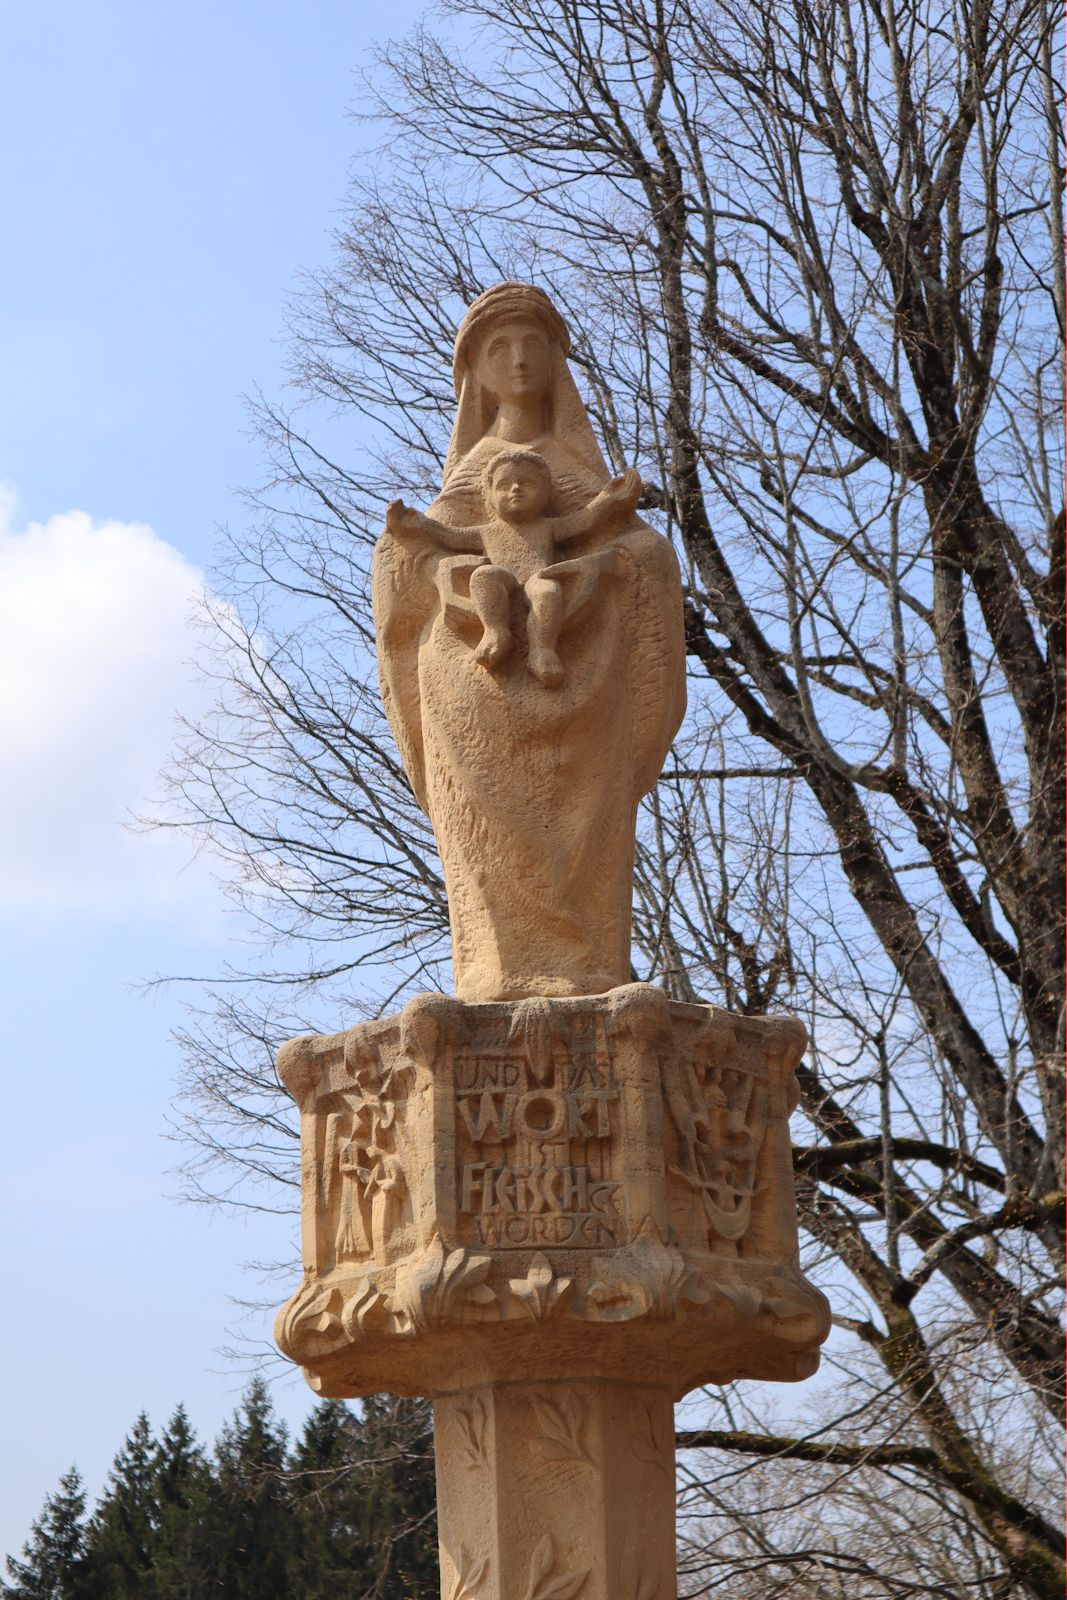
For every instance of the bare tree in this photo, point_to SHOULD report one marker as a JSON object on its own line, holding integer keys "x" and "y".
{"x": 812, "y": 254}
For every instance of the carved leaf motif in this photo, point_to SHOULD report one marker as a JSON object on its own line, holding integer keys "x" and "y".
{"x": 668, "y": 1277}
{"x": 311, "y": 1314}
{"x": 649, "y": 1445}
{"x": 639, "y": 1581}
{"x": 547, "y": 1584}
{"x": 436, "y": 1287}
{"x": 366, "y": 1307}
{"x": 744, "y": 1299}
{"x": 615, "y": 1297}
{"x": 463, "y": 1277}
{"x": 472, "y": 1423}
{"x": 540, "y": 1292}
{"x": 321, "y": 1315}
{"x": 561, "y": 1424}
{"x": 626, "y": 1283}
{"x": 534, "y": 1028}
{"x": 646, "y": 1278}
{"x": 469, "y": 1575}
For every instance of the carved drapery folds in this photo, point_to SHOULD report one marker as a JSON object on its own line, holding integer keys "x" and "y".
{"x": 610, "y": 1171}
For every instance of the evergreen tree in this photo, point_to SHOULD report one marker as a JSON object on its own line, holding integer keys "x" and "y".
{"x": 252, "y": 1537}
{"x": 397, "y": 1505}
{"x": 120, "y": 1545}
{"x": 364, "y": 1503}
{"x": 329, "y": 1558}
{"x": 348, "y": 1514}
{"x": 180, "y": 1467}
{"x": 184, "y": 1557}
{"x": 53, "y": 1565}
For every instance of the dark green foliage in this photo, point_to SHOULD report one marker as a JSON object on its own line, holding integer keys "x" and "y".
{"x": 363, "y": 1492}
{"x": 53, "y": 1565}
{"x": 183, "y": 1562}
{"x": 396, "y": 1507}
{"x": 122, "y": 1533}
{"x": 254, "y": 1542}
{"x": 348, "y": 1512}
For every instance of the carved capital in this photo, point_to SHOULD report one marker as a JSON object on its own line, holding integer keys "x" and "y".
{"x": 596, "y": 1182}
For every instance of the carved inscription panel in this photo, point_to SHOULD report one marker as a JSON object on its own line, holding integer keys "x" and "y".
{"x": 538, "y": 1149}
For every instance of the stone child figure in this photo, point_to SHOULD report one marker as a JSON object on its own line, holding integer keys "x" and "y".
{"x": 520, "y": 544}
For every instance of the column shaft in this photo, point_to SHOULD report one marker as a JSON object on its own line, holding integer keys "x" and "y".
{"x": 556, "y": 1491}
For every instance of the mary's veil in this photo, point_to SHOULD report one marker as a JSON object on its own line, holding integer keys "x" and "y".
{"x": 567, "y": 420}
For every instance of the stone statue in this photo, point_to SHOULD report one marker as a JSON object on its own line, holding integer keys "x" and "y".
{"x": 533, "y": 699}
{"x": 559, "y": 1201}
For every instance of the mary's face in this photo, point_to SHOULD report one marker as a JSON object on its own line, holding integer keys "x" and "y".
{"x": 515, "y": 361}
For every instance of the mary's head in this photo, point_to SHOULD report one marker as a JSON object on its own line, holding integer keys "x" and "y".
{"x": 512, "y": 379}
{"x": 513, "y": 319}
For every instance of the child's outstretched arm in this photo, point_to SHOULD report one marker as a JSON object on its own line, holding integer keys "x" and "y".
{"x": 613, "y": 505}
{"x": 404, "y": 522}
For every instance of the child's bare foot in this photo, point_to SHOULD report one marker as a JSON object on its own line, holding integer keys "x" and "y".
{"x": 494, "y": 648}
{"x": 546, "y": 667}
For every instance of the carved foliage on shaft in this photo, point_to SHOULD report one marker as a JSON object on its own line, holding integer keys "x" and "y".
{"x": 546, "y": 1581}
{"x": 639, "y": 1579}
{"x": 651, "y": 1442}
{"x": 472, "y": 1425}
{"x": 561, "y": 1420}
{"x": 470, "y": 1574}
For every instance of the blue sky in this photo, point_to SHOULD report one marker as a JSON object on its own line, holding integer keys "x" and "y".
{"x": 166, "y": 171}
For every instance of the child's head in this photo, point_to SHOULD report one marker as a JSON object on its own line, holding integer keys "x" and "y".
{"x": 517, "y": 485}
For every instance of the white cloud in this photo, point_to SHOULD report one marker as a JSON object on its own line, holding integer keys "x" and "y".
{"x": 94, "y": 665}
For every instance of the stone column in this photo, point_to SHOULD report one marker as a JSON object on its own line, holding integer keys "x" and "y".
{"x": 554, "y": 1218}
{"x": 551, "y": 1489}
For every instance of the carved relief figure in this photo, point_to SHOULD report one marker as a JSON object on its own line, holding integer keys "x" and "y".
{"x": 360, "y": 1153}
{"x": 530, "y": 771}
{"x": 352, "y": 1232}
{"x": 720, "y": 1117}
{"x": 516, "y": 550}
{"x": 379, "y": 1177}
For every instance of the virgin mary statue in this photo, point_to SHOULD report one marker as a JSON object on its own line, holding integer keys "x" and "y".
{"x": 532, "y": 789}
